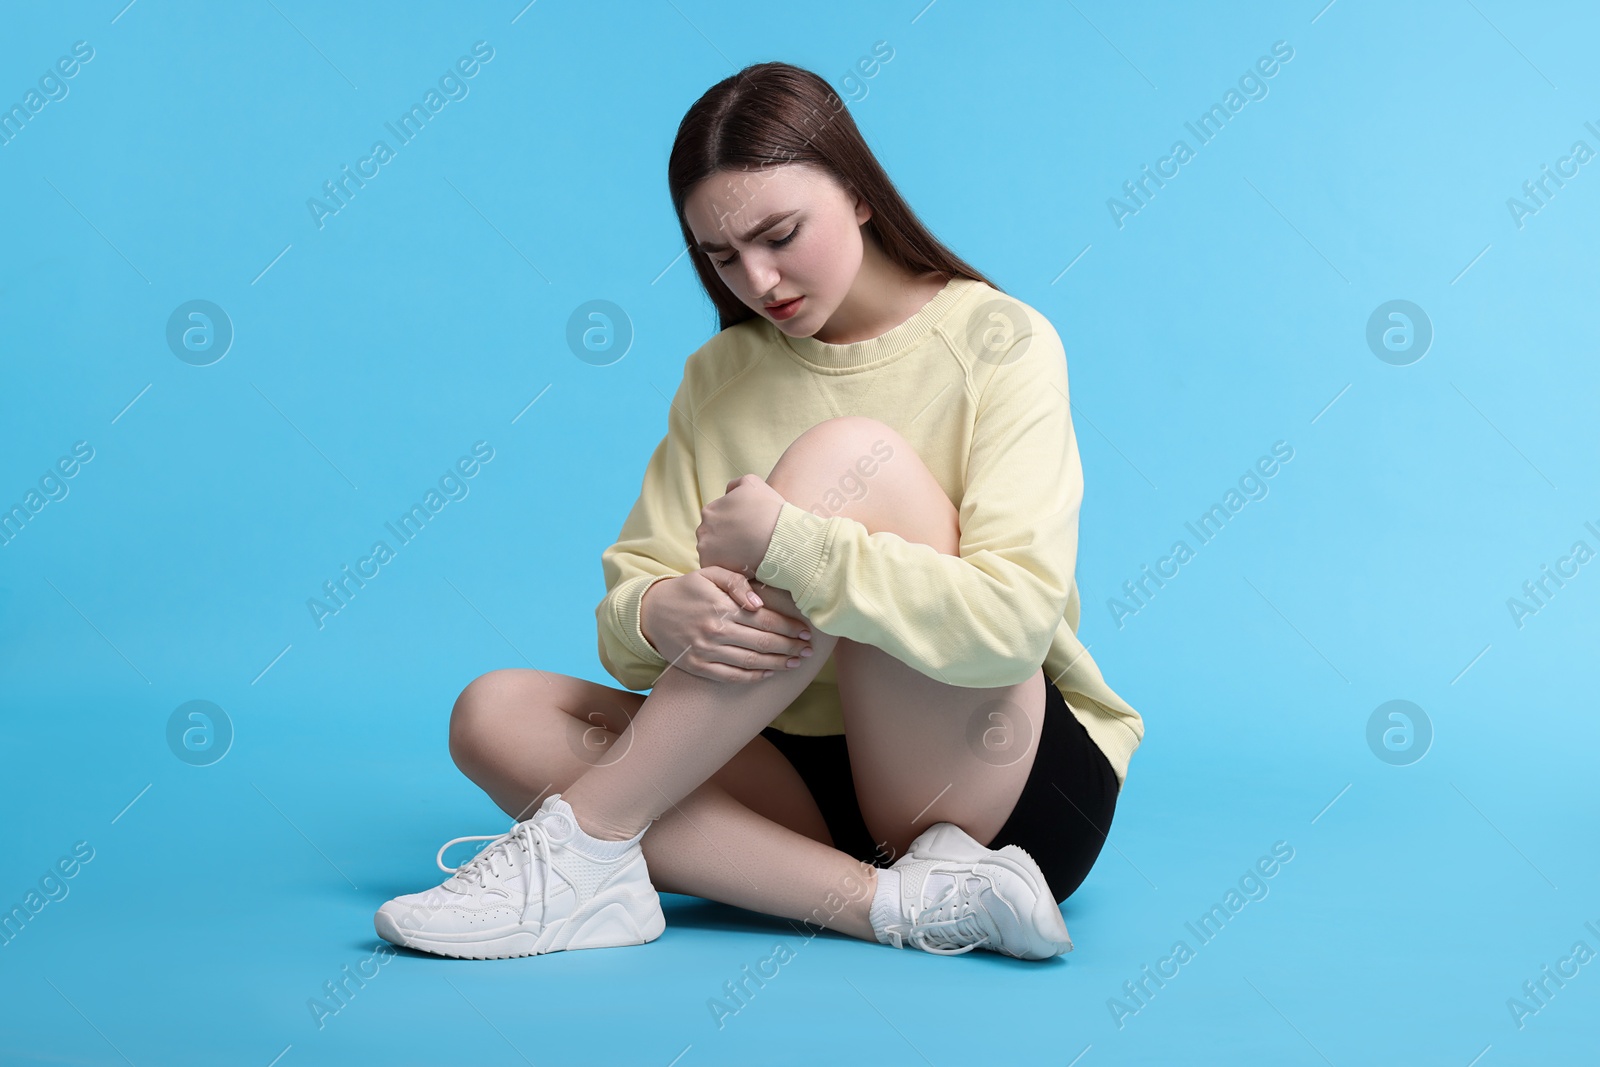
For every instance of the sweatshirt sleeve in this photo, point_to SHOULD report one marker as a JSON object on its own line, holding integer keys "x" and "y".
{"x": 657, "y": 541}
{"x": 985, "y": 618}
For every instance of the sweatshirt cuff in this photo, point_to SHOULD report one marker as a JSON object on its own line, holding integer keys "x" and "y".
{"x": 627, "y": 610}
{"x": 798, "y": 549}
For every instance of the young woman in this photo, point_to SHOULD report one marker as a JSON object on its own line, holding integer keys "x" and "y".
{"x": 870, "y": 709}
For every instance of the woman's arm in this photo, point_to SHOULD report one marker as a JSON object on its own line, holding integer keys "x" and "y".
{"x": 657, "y": 541}
{"x": 987, "y": 617}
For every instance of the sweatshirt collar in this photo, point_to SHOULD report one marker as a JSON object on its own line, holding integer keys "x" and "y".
{"x": 859, "y": 355}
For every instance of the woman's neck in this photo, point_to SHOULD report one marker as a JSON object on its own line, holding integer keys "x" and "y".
{"x": 884, "y": 295}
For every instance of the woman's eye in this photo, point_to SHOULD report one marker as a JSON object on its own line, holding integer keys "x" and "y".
{"x": 779, "y": 243}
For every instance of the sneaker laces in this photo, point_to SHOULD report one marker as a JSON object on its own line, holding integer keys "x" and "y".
{"x": 953, "y": 924}
{"x": 529, "y": 835}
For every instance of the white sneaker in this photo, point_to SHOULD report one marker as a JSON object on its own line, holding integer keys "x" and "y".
{"x": 955, "y": 895}
{"x": 529, "y": 891}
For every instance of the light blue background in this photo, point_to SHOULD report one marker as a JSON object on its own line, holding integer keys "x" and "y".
{"x": 1228, "y": 314}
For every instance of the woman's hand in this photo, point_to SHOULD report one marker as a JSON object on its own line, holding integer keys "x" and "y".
{"x": 705, "y": 623}
{"x": 736, "y": 528}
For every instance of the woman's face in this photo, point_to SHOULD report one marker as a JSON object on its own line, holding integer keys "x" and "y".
{"x": 779, "y": 233}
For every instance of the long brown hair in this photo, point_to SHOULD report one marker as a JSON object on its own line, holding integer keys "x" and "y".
{"x": 770, "y": 114}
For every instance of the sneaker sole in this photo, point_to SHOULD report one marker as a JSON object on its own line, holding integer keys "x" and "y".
{"x": 602, "y": 923}
{"x": 946, "y": 841}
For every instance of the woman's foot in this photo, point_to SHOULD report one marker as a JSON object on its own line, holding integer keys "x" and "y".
{"x": 543, "y": 886}
{"x": 948, "y": 894}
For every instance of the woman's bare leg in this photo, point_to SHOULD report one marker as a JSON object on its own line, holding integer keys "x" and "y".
{"x": 750, "y": 836}
{"x": 686, "y": 728}
{"x": 922, "y": 750}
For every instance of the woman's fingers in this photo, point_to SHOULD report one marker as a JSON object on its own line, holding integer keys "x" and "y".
{"x": 750, "y": 642}
{"x": 752, "y": 647}
{"x": 780, "y": 623}
{"x": 737, "y": 586}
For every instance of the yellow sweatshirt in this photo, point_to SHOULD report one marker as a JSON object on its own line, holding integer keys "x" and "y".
{"x": 976, "y": 382}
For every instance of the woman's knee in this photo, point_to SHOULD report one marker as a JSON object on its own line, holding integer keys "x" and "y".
{"x": 864, "y": 469}
{"x": 478, "y": 720}
{"x": 838, "y": 448}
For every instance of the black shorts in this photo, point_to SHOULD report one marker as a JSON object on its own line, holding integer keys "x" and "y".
{"x": 1061, "y": 818}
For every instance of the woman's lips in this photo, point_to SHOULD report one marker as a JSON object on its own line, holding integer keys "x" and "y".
{"x": 783, "y": 311}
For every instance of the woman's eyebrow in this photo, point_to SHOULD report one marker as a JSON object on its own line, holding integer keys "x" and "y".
{"x": 750, "y": 234}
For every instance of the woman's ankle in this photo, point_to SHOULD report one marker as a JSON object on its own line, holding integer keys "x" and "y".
{"x": 599, "y": 826}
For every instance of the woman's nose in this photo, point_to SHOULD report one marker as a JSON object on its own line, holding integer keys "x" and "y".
{"x": 761, "y": 279}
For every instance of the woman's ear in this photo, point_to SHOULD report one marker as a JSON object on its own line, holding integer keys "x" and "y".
{"x": 863, "y": 209}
